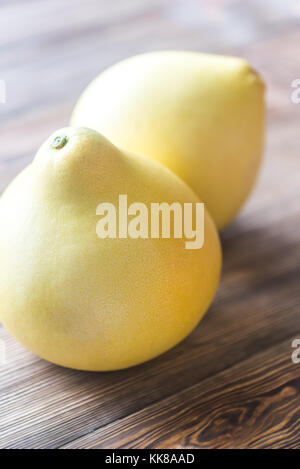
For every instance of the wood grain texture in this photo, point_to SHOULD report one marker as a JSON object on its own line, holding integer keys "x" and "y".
{"x": 232, "y": 382}
{"x": 224, "y": 411}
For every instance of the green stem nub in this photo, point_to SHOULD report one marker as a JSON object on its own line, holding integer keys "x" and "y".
{"x": 59, "y": 142}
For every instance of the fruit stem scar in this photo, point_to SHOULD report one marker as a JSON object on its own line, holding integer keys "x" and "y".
{"x": 59, "y": 142}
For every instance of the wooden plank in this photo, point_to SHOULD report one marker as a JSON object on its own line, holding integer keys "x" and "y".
{"x": 255, "y": 404}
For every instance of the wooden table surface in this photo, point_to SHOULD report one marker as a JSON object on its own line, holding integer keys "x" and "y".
{"x": 231, "y": 383}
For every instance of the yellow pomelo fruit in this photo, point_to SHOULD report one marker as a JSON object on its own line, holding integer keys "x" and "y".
{"x": 200, "y": 115}
{"x": 89, "y": 303}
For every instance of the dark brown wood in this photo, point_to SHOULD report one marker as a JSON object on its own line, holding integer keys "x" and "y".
{"x": 232, "y": 382}
{"x": 253, "y": 404}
